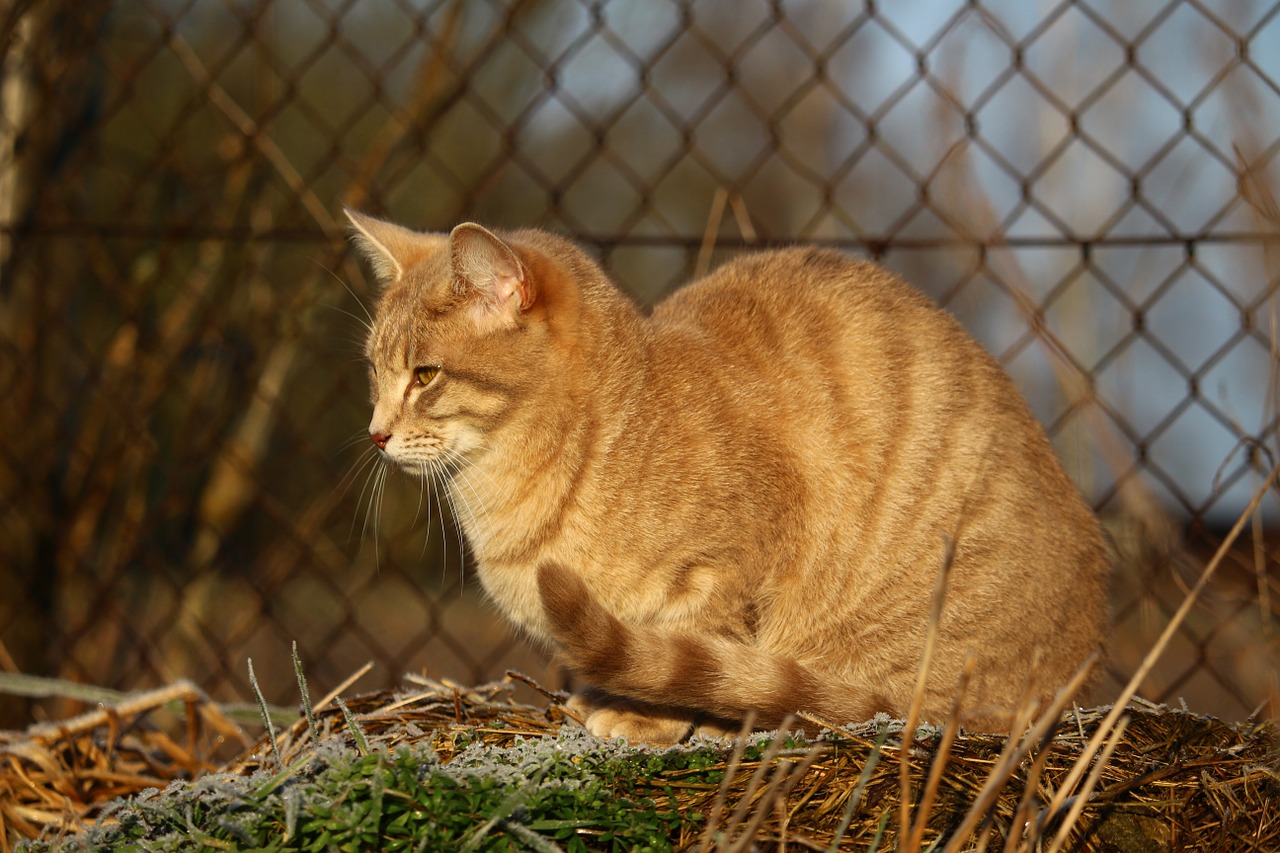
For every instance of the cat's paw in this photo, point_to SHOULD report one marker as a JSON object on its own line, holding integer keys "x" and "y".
{"x": 718, "y": 730}
{"x": 579, "y": 706}
{"x": 611, "y": 717}
{"x": 636, "y": 727}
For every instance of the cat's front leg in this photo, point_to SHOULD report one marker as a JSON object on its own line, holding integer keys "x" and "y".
{"x": 611, "y": 717}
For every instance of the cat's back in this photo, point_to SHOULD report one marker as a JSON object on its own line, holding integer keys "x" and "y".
{"x": 905, "y": 433}
{"x": 890, "y": 407}
{"x": 817, "y": 318}
{"x": 810, "y": 294}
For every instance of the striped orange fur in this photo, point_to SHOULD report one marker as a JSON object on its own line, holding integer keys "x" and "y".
{"x": 738, "y": 503}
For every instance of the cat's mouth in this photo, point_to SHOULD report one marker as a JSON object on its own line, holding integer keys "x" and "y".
{"x": 434, "y": 467}
{"x": 413, "y": 468}
{"x": 411, "y": 454}
{"x": 409, "y": 465}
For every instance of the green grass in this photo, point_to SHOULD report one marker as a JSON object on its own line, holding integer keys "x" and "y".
{"x": 542, "y": 794}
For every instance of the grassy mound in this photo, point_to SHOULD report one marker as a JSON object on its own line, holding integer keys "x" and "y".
{"x": 439, "y": 767}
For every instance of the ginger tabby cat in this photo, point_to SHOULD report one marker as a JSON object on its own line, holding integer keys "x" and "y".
{"x": 738, "y": 504}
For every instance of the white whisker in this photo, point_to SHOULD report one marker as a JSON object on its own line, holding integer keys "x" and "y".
{"x": 377, "y": 517}
{"x": 422, "y": 490}
{"x": 367, "y": 321}
{"x": 375, "y": 487}
{"x": 368, "y": 326}
{"x": 457, "y": 526}
{"x": 359, "y": 438}
{"x": 364, "y": 460}
{"x": 432, "y": 475}
{"x": 464, "y": 492}
{"x": 370, "y": 488}
{"x": 427, "y": 488}
{"x": 369, "y": 463}
{"x": 461, "y": 477}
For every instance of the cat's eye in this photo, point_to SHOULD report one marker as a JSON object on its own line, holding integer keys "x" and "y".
{"x": 424, "y": 375}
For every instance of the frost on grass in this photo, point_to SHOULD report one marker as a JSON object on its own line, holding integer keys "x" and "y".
{"x": 336, "y": 795}
{"x": 455, "y": 770}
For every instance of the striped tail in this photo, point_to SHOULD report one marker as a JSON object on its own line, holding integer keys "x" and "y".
{"x": 712, "y": 674}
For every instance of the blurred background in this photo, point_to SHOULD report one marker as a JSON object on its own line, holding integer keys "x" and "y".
{"x": 1089, "y": 186}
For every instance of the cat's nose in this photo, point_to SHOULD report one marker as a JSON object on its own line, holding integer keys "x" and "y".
{"x": 380, "y": 439}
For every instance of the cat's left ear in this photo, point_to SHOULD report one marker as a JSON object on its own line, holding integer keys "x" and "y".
{"x": 389, "y": 248}
{"x": 488, "y": 267}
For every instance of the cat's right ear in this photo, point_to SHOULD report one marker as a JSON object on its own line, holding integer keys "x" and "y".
{"x": 488, "y": 268}
{"x": 385, "y": 245}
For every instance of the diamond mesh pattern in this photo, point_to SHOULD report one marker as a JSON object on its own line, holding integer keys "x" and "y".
{"x": 1088, "y": 185}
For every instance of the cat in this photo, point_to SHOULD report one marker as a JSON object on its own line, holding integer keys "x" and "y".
{"x": 736, "y": 506}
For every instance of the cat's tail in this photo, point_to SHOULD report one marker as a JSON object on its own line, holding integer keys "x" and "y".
{"x": 712, "y": 674}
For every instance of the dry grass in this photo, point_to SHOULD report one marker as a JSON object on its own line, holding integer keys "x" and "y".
{"x": 1169, "y": 777}
{"x": 58, "y": 776}
{"x": 1130, "y": 776}
{"x": 1127, "y": 776}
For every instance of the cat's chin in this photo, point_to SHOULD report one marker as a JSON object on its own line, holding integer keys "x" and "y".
{"x": 425, "y": 469}
{"x": 412, "y": 467}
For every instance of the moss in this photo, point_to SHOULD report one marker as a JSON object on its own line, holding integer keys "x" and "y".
{"x": 544, "y": 792}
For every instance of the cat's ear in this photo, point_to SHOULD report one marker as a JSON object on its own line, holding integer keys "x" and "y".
{"x": 487, "y": 267}
{"x": 386, "y": 246}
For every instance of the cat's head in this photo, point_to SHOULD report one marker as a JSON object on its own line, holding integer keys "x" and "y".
{"x": 459, "y": 339}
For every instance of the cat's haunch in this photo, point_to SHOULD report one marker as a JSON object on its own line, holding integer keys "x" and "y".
{"x": 738, "y": 504}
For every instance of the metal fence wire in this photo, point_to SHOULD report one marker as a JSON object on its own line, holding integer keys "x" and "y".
{"x": 1089, "y": 186}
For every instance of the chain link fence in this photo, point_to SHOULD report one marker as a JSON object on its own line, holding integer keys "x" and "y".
{"x": 1088, "y": 186}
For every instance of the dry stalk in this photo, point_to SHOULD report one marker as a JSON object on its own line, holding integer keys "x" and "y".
{"x": 1026, "y": 805}
{"x": 1015, "y": 750}
{"x": 785, "y": 776}
{"x": 344, "y": 685}
{"x": 1077, "y": 807}
{"x": 1256, "y": 189}
{"x": 757, "y": 778}
{"x": 711, "y": 232}
{"x": 135, "y": 704}
{"x": 1221, "y": 786}
{"x": 932, "y": 627}
{"x": 855, "y": 797}
{"x": 915, "y": 839}
{"x": 1149, "y": 661}
{"x": 717, "y": 807}
{"x": 980, "y": 218}
{"x": 558, "y": 696}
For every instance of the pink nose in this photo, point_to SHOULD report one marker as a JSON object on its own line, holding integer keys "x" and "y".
{"x": 380, "y": 439}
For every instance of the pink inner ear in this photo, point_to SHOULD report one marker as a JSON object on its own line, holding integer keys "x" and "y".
{"x": 502, "y": 296}
{"x": 488, "y": 265}
{"x": 508, "y": 287}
